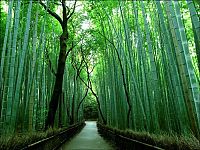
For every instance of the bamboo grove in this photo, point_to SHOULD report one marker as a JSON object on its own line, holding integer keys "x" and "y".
{"x": 147, "y": 79}
{"x": 139, "y": 59}
{"x": 29, "y": 60}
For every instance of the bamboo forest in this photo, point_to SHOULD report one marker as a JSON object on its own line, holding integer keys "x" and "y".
{"x": 99, "y": 74}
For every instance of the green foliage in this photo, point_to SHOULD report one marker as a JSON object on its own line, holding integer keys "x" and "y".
{"x": 21, "y": 140}
{"x": 2, "y": 25}
{"x": 29, "y": 57}
{"x": 142, "y": 58}
{"x": 145, "y": 54}
{"x": 90, "y": 107}
{"x": 162, "y": 139}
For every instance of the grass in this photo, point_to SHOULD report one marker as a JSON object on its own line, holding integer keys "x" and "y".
{"x": 20, "y": 140}
{"x": 162, "y": 140}
{"x": 166, "y": 141}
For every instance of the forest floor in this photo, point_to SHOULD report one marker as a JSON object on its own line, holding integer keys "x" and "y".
{"x": 88, "y": 139}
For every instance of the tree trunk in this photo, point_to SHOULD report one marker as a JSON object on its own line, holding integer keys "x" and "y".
{"x": 58, "y": 84}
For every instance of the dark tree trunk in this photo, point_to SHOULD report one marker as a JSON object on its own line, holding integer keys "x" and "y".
{"x": 53, "y": 105}
{"x": 79, "y": 105}
{"x": 99, "y": 108}
{"x": 67, "y": 13}
{"x": 60, "y": 108}
{"x": 89, "y": 86}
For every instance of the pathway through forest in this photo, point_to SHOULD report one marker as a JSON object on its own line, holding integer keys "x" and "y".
{"x": 88, "y": 139}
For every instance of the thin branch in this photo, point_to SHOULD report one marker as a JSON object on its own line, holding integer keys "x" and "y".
{"x": 79, "y": 41}
{"x": 52, "y": 13}
{"x": 57, "y": 3}
{"x": 87, "y": 89}
{"x": 84, "y": 83}
{"x": 70, "y": 49}
{"x": 92, "y": 70}
{"x": 78, "y": 5}
{"x": 68, "y": 10}
{"x": 79, "y": 105}
{"x": 123, "y": 79}
{"x": 95, "y": 95}
{"x": 72, "y": 10}
{"x": 108, "y": 40}
{"x": 80, "y": 69}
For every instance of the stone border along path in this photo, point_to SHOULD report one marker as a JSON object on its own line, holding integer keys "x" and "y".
{"x": 87, "y": 139}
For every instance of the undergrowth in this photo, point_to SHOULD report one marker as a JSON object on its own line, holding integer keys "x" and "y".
{"x": 20, "y": 140}
{"x": 166, "y": 141}
{"x": 162, "y": 140}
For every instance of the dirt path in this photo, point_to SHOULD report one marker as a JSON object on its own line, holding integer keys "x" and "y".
{"x": 87, "y": 139}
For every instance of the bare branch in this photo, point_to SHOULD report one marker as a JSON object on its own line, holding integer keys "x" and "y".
{"x": 87, "y": 85}
{"x": 77, "y": 68}
{"x": 52, "y": 13}
{"x": 96, "y": 96}
{"x": 70, "y": 49}
{"x": 112, "y": 43}
{"x": 68, "y": 10}
{"x": 57, "y": 3}
{"x": 72, "y": 10}
{"x": 87, "y": 89}
{"x": 80, "y": 68}
{"x": 92, "y": 70}
{"x": 79, "y": 105}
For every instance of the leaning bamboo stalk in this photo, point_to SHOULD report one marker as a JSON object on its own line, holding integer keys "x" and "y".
{"x": 187, "y": 75}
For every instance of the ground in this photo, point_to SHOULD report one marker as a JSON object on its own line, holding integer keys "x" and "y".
{"x": 88, "y": 139}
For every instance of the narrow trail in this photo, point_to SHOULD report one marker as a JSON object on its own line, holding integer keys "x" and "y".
{"x": 87, "y": 139}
